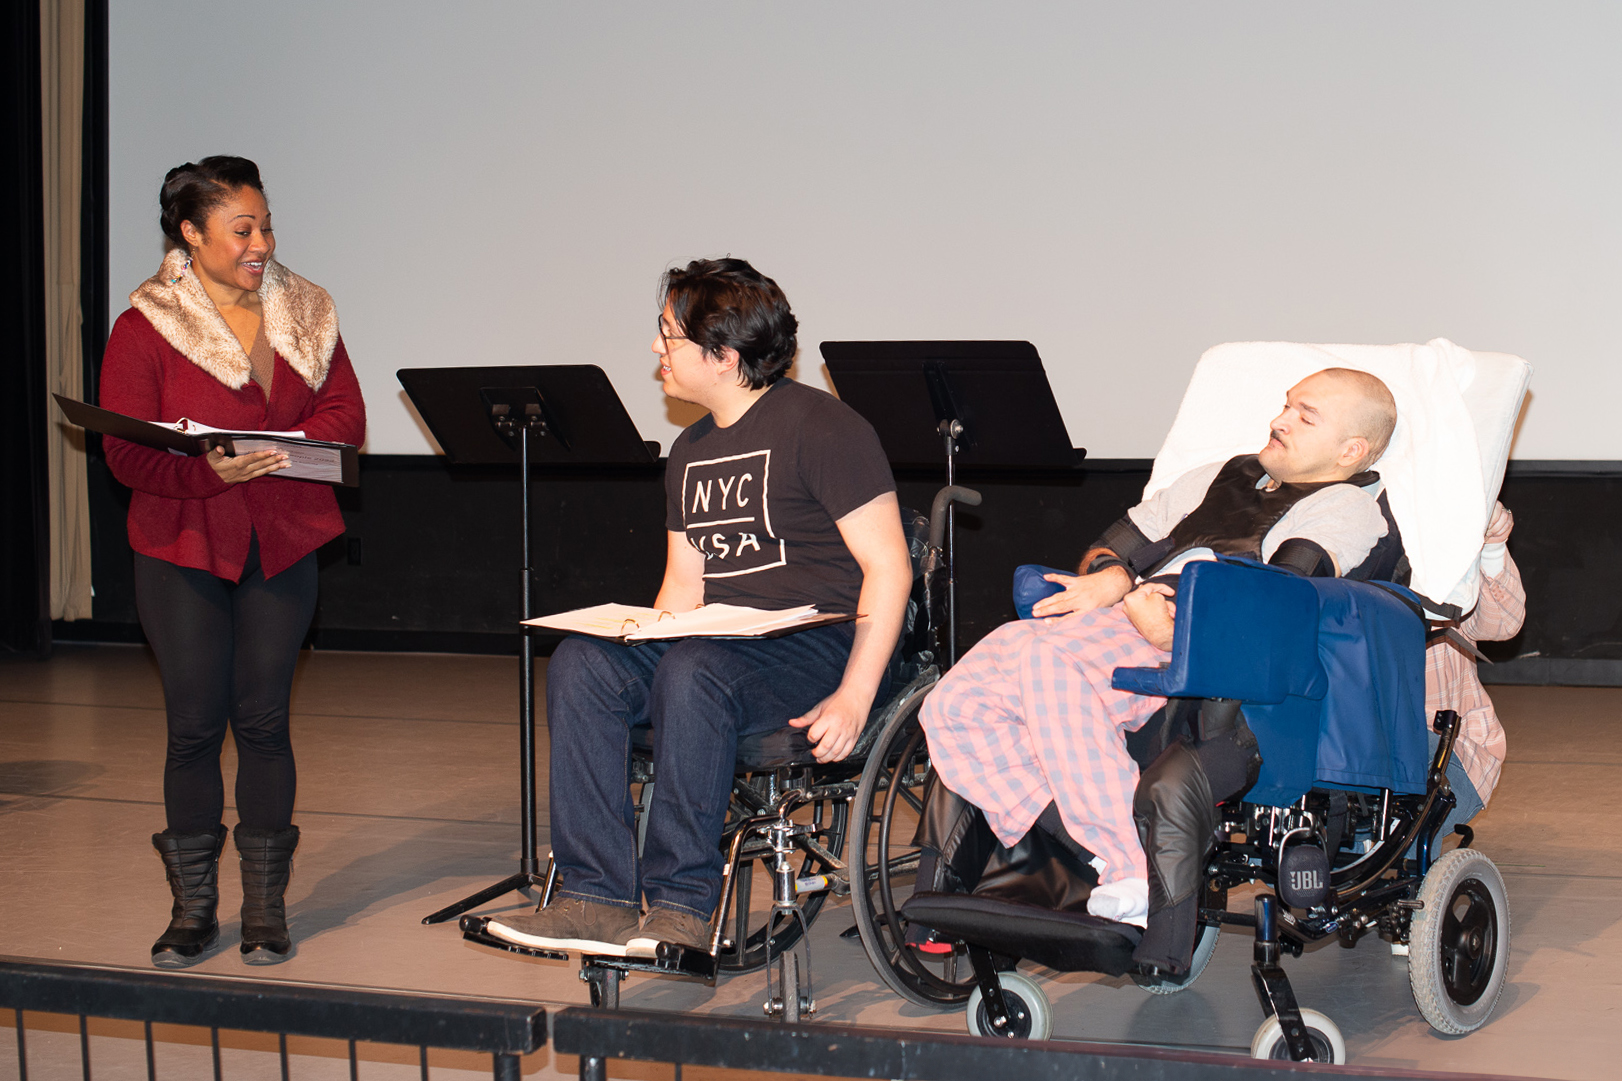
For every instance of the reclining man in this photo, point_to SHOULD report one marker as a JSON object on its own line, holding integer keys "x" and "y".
{"x": 1028, "y": 716}
{"x": 780, "y": 497}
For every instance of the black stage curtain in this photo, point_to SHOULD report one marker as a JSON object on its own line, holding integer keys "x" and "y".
{"x": 24, "y": 582}
{"x": 93, "y": 215}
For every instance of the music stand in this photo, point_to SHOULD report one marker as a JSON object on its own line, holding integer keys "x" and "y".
{"x": 981, "y": 404}
{"x": 557, "y": 414}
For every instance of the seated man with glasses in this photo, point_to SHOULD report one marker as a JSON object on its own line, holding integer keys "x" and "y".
{"x": 780, "y": 497}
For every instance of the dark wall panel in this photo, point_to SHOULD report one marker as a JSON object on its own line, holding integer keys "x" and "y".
{"x": 433, "y": 553}
{"x": 431, "y": 560}
{"x": 1568, "y": 544}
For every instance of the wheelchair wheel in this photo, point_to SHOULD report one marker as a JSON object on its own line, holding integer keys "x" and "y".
{"x": 1323, "y": 1035}
{"x": 884, "y": 862}
{"x": 1458, "y": 943}
{"x": 753, "y": 894}
{"x": 788, "y": 988}
{"x": 1028, "y": 1008}
{"x": 1204, "y": 946}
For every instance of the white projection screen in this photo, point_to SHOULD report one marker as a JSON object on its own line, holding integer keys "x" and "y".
{"x": 1122, "y": 184}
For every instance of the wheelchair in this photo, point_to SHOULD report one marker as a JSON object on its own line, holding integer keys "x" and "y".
{"x": 1338, "y": 852}
{"x": 787, "y": 821}
{"x": 1334, "y": 859}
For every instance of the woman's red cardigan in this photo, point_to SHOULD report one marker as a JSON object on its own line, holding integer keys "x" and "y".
{"x": 181, "y": 511}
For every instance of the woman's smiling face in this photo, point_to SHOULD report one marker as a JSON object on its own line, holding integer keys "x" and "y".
{"x": 232, "y": 250}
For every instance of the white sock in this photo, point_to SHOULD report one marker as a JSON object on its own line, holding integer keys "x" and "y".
{"x": 1124, "y": 901}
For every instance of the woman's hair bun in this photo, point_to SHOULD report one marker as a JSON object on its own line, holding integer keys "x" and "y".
{"x": 191, "y": 191}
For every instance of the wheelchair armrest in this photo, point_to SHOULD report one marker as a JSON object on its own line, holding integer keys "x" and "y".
{"x": 1243, "y": 630}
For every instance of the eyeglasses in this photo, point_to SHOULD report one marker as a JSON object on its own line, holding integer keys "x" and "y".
{"x": 668, "y": 338}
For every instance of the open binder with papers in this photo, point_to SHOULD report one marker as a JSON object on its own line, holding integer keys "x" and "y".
{"x": 631, "y": 623}
{"x": 307, "y": 459}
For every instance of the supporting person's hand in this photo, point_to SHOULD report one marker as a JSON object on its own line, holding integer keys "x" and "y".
{"x": 1493, "y": 550}
{"x": 834, "y": 723}
{"x": 1083, "y": 592}
{"x": 1498, "y": 529}
{"x": 245, "y": 466}
{"x": 1153, "y": 612}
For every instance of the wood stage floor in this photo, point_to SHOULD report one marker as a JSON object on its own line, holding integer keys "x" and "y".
{"x": 408, "y": 801}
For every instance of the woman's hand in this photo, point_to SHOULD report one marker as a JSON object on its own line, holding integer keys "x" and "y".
{"x": 245, "y": 466}
{"x": 1153, "y": 612}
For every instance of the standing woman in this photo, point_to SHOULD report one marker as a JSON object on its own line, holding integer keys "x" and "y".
{"x": 225, "y": 573}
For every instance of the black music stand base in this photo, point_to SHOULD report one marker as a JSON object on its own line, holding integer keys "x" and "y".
{"x": 520, "y": 882}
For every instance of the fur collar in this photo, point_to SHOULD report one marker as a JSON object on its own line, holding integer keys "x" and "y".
{"x": 301, "y": 322}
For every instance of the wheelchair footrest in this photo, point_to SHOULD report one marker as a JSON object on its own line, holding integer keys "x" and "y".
{"x": 1066, "y": 941}
{"x": 476, "y": 929}
{"x": 672, "y": 959}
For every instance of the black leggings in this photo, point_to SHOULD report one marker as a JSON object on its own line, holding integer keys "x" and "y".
{"x": 226, "y": 651}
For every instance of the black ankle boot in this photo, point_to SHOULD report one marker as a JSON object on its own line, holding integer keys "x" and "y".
{"x": 192, "y": 862}
{"x": 267, "y": 859}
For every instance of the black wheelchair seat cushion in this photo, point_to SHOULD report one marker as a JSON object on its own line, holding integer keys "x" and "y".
{"x": 786, "y": 746}
{"x": 1065, "y": 941}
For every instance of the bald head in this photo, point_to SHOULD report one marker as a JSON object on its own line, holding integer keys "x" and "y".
{"x": 1335, "y": 424}
{"x": 1370, "y": 413}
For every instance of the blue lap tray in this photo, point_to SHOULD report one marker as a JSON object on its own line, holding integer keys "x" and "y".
{"x": 1332, "y": 674}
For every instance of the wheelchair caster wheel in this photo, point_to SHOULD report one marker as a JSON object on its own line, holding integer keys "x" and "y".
{"x": 1323, "y": 1036}
{"x": 1458, "y": 943}
{"x": 1030, "y": 1016}
{"x": 789, "y": 1004}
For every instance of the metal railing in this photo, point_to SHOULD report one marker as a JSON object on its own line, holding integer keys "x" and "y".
{"x": 501, "y": 1028}
{"x": 849, "y": 1051}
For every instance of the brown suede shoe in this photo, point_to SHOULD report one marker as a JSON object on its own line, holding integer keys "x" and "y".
{"x": 669, "y": 925}
{"x": 569, "y": 923}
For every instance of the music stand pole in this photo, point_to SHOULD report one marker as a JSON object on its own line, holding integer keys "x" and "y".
{"x": 529, "y": 871}
{"x": 950, "y": 429}
{"x": 528, "y": 864}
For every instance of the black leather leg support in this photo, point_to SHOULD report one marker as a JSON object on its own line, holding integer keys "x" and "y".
{"x": 954, "y": 842}
{"x": 1227, "y": 749}
{"x": 1175, "y": 812}
{"x": 1176, "y": 816}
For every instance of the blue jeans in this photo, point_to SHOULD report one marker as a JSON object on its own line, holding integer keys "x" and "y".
{"x": 699, "y": 695}
{"x": 1469, "y": 801}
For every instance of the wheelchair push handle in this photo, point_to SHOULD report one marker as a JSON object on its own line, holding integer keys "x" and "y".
{"x": 954, "y": 493}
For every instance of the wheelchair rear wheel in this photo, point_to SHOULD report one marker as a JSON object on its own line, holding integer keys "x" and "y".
{"x": 752, "y": 922}
{"x": 1458, "y": 943}
{"x": 884, "y": 862}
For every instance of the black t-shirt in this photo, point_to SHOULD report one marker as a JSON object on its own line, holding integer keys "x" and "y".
{"x": 760, "y": 498}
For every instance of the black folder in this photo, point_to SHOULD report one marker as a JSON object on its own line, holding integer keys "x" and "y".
{"x": 163, "y": 437}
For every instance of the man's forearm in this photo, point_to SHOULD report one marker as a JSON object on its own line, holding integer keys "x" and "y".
{"x": 1113, "y": 581}
{"x": 883, "y": 604}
